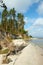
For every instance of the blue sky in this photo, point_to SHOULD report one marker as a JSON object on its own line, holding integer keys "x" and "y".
{"x": 33, "y": 14}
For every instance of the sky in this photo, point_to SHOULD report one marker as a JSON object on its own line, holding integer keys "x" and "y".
{"x": 33, "y": 14}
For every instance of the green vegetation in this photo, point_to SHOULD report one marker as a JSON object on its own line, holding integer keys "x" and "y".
{"x": 4, "y": 51}
{"x": 30, "y": 36}
{"x": 13, "y": 22}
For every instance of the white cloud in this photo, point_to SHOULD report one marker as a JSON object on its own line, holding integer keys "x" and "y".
{"x": 40, "y": 8}
{"x": 29, "y": 20}
{"x": 38, "y": 22}
{"x": 26, "y": 19}
{"x": 20, "y": 5}
{"x": 37, "y": 28}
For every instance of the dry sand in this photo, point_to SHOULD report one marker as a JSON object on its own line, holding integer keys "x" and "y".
{"x": 31, "y": 55}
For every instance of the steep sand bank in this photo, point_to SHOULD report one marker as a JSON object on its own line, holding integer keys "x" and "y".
{"x": 31, "y": 55}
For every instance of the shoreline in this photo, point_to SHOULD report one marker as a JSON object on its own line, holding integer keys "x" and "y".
{"x": 30, "y": 55}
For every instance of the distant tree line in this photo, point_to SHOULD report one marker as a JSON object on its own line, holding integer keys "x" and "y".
{"x": 12, "y": 22}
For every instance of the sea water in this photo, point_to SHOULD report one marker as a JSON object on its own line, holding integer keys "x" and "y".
{"x": 37, "y": 41}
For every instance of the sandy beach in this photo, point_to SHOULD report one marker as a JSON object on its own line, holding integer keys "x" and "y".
{"x": 31, "y": 55}
{"x": 21, "y": 32}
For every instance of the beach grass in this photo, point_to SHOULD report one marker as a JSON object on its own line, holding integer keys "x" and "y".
{"x": 4, "y": 51}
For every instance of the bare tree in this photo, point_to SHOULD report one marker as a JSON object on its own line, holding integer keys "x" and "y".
{"x": 3, "y": 4}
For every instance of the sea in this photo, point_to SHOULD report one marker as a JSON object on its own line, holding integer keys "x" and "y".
{"x": 37, "y": 41}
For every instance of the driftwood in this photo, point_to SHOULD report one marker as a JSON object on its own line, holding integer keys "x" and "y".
{"x": 6, "y": 60}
